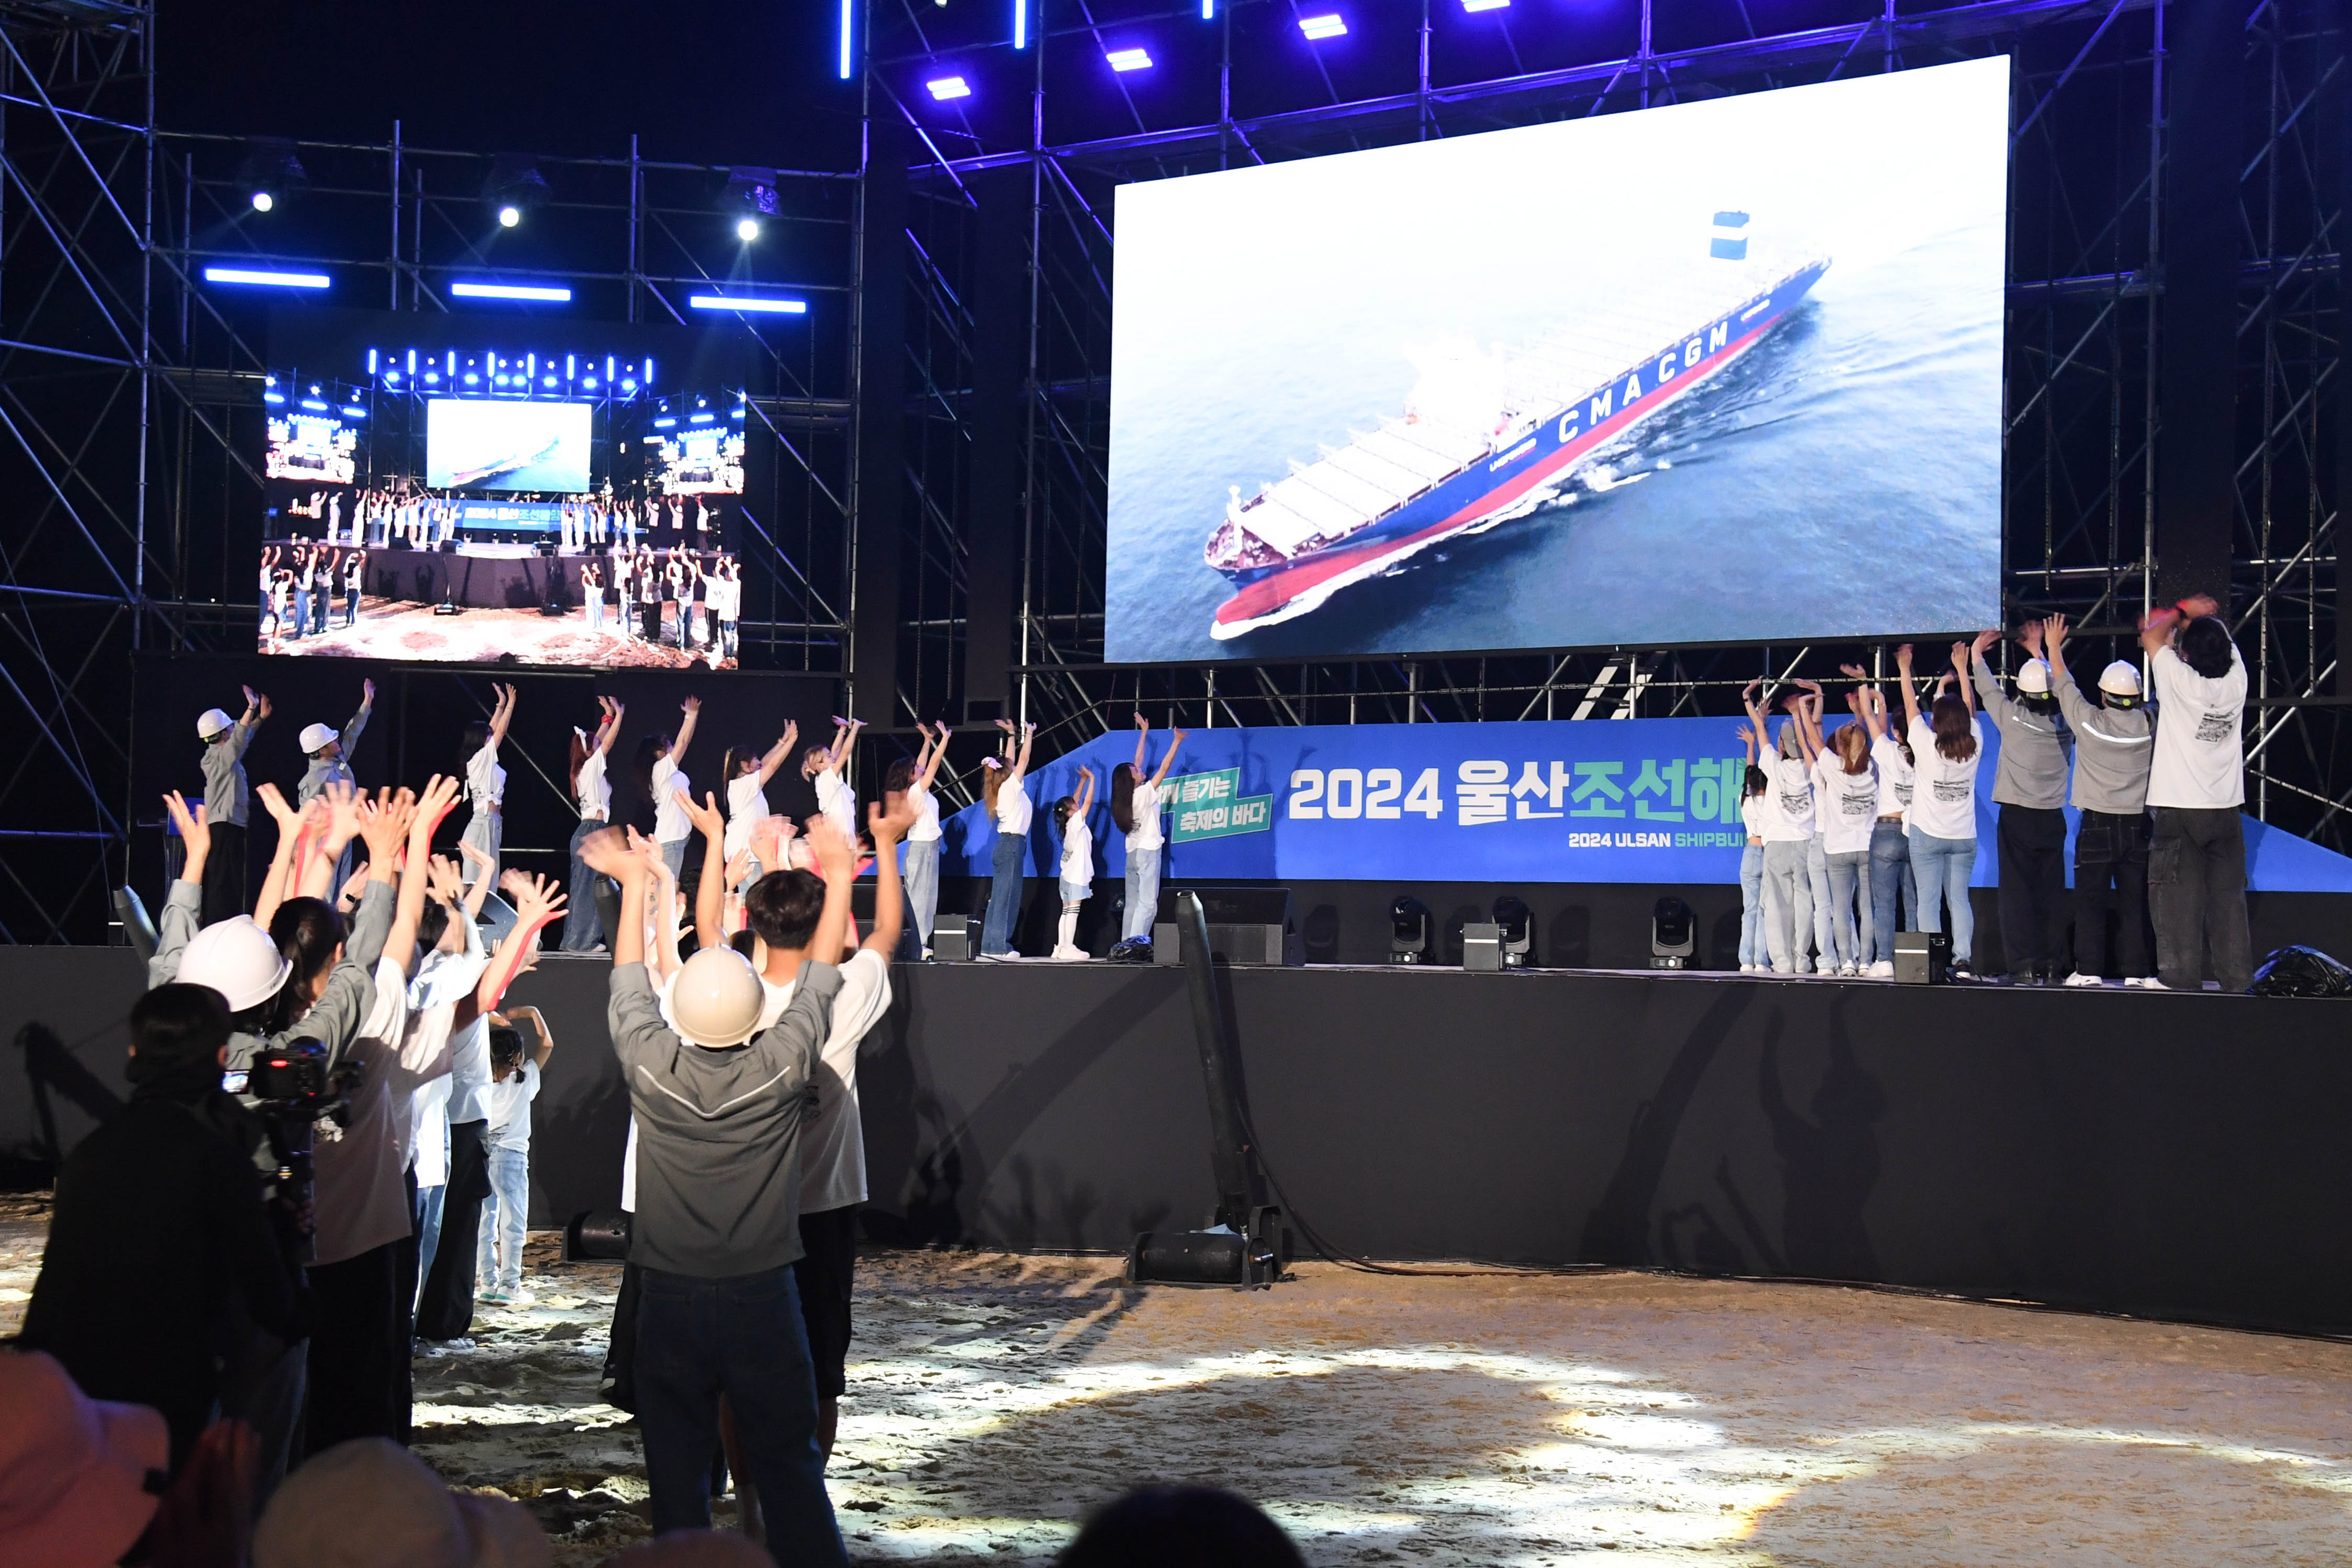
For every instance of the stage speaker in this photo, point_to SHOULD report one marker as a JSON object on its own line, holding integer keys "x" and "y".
{"x": 1253, "y": 927}
{"x": 1922, "y": 957}
{"x": 1673, "y": 934}
{"x": 1482, "y": 947}
{"x": 955, "y": 939}
{"x": 597, "y": 1235}
{"x": 449, "y": 546}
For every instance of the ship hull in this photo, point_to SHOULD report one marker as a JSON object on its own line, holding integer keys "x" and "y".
{"x": 1268, "y": 596}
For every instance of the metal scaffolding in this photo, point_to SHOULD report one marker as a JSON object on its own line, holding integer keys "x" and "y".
{"x": 2081, "y": 420}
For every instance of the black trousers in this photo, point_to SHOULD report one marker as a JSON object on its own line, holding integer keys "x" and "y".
{"x": 2111, "y": 858}
{"x": 2197, "y": 887}
{"x": 2032, "y": 841}
{"x": 446, "y": 1309}
{"x": 359, "y": 1350}
{"x": 225, "y": 890}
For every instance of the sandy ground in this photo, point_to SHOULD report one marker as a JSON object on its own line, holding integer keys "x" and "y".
{"x": 402, "y": 629}
{"x": 1464, "y": 1421}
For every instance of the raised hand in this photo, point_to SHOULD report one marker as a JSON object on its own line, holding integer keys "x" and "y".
{"x": 443, "y": 881}
{"x": 1853, "y": 671}
{"x": 343, "y": 812}
{"x": 385, "y": 823}
{"x": 690, "y": 706}
{"x": 194, "y": 835}
{"x": 606, "y": 852}
{"x": 706, "y": 817}
{"x": 538, "y": 900}
{"x": 433, "y": 806}
{"x": 2053, "y": 633}
{"x": 367, "y": 694}
{"x": 1984, "y": 643}
{"x": 791, "y": 734}
{"x": 739, "y": 865}
{"x": 889, "y": 827}
{"x": 1745, "y": 735}
{"x": 272, "y": 798}
{"x": 2198, "y": 605}
{"x": 835, "y": 851}
{"x": 1141, "y": 722}
{"x": 768, "y": 836}
{"x": 1903, "y": 658}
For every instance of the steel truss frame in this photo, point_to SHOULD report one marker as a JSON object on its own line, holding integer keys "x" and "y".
{"x": 2081, "y": 423}
{"x": 130, "y": 392}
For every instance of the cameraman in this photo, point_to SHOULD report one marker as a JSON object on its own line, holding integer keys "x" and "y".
{"x": 159, "y": 1246}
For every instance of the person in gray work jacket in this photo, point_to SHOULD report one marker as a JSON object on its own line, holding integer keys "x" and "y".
{"x": 718, "y": 1105}
{"x": 2113, "y": 746}
{"x": 225, "y": 803}
{"x": 2036, "y": 752}
{"x": 330, "y": 751}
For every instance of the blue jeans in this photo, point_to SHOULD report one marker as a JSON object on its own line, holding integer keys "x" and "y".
{"x": 506, "y": 1215}
{"x": 581, "y": 929}
{"x": 1941, "y": 869}
{"x": 1817, "y": 878}
{"x": 1787, "y": 905}
{"x": 428, "y": 1228}
{"x": 1751, "y": 906}
{"x": 1849, "y": 876}
{"x": 1890, "y": 884}
{"x": 1004, "y": 896}
{"x": 744, "y": 1337}
{"x": 922, "y": 884}
{"x": 673, "y": 856}
{"x": 1142, "y": 892}
{"x": 301, "y": 614}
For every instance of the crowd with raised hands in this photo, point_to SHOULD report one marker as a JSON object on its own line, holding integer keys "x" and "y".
{"x": 1861, "y": 830}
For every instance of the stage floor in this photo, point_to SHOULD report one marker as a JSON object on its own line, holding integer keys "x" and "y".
{"x": 992, "y": 1399}
{"x": 403, "y": 629}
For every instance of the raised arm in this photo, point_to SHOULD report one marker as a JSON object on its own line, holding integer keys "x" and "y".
{"x": 928, "y": 766}
{"x": 836, "y": 862}
{"x": 385, "y": 823}
{"x": 710, "y": 893}
{"x": 606, "y": 852}
{"x": 501, "y": 716}
{"x": 890, "y": 908}
{"x": 778, "y": 752}
{"x": 692, "y": 708}
{"x": 2156, "y": 629}
{"x": 1175, "y": 740}
{"x": 317, "y": 872}
{"x": 1910, "y": 687}
{"x": 256, "y": 713}
{"x": 537, "y": 903}
{"x": 1143, "y": 737}
{"x": 185, "y": 902}
{"x": 350, "y": 735}
{"x": 1759, "y": 717}
{"x": 532, "y": 1016}
{"x": 1085, "y": 791}
{"x": 610, "y": 730}
{"x": 292, "y": 825}
{"x": 1747, "y": 732}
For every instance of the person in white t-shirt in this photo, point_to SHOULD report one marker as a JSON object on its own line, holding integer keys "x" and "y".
{"x": 592, "y": 786}
{"x": 823, "y": 765}
{"x": 1845, "y": 794}
{"x": 506, "y": 1212}
{"x": 1788, "y": 837}
{"x": 912, "y": 778}
{"x": 1755, "y": 791}
{"x": 1947, "y": 749}
{"x": 746, "y": 770}
{"x": 661, "y": 773}
{"x": 2197, "y": 787}
{"x": 485, "y": 784}
{"x": 1077, "y": 862}
{"x": 1135, "y": 810}
{"x": 1890, "y": 851}
{"x": 1004, "y": 795}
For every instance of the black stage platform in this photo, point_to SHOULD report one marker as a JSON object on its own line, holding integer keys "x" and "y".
{"x": 2176, "y": 1156}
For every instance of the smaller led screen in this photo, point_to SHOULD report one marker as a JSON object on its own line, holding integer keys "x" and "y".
{"x": 494, "y": 444}
{"x": 697, "y": 445}
{"x": 314, "y": 444}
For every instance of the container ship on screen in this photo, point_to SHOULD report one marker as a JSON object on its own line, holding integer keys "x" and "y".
{"x": 1456, "y": 465}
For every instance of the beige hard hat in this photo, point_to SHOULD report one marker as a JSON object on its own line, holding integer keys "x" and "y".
{"x": 2034, "y": 678}
{"x": 235, "y": 958}
{"x": 210, "y": 722}
{"x": 714, "y": 998}
{"x": 2120, "y": 678}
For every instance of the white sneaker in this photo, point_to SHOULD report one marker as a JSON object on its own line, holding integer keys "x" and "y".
{"x": 1747, "y": 968}
{"x": 1883, "y": 971}
{"x": 1852, "y": 971}
{"x": 2080, "y": 978}
{"x": 2147, "y": 983}
{"x": 1068, "y": 953}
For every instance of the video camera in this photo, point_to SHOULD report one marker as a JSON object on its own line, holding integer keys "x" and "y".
{"x": 296, "y": 1090}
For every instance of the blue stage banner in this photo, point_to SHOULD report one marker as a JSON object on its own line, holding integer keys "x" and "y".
{"x": 1638, "y": 800}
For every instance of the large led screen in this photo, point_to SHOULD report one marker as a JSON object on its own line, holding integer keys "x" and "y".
{"x": 481, "y": 443}
{"x": 1721, "y": 372}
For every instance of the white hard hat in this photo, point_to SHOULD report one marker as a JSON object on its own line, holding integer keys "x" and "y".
{"x": 236, "y": 958}
{"x": 2122, "y": 679}
{"x": 316, "y": 736}
{"x": 2034, "y": 678}
{"x": 210, "y": 722}
{"x": 714, "y": 998}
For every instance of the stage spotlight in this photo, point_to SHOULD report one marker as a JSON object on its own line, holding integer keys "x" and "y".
{"x": 514, "y": 189}
{"x": 747, "y": 229}
{"x": 270, "y": 172}
{"x": 1128, "y": 61}
{"x": 1409, "y": 930}
{"x": 945, "y": 88}
{"x": 1517, "y": 924}
{"x": 1673, "y": 934}
{"x": 1320, "y": 27}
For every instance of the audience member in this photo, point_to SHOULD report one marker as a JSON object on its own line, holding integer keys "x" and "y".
{"x": 370, "y": 1503}
{"x": 1180, "y": 1527}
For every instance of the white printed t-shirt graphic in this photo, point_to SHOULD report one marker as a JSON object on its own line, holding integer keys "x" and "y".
{"x": 1015, "y": 809}
{"x": 2200, "y": 760}
{"x": 510, "y": 1099}
{"x": 1789, "y": 816}
{"x": 1944, "y": 794}
{"x": 1078, "y": 853}
{"x": 1146, "y": 834}
{"x": 1894, "y": 777}
{"x": 1848, "y": 805}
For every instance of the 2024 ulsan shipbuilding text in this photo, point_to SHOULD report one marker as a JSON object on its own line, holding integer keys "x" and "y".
{"x": 1449, "y": 467}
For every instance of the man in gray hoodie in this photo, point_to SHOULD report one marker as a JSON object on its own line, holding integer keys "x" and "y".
{"x": 718, "y": 1105}
{"x": 2035, "y": 753}
{"x": 2112, "y": 746}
